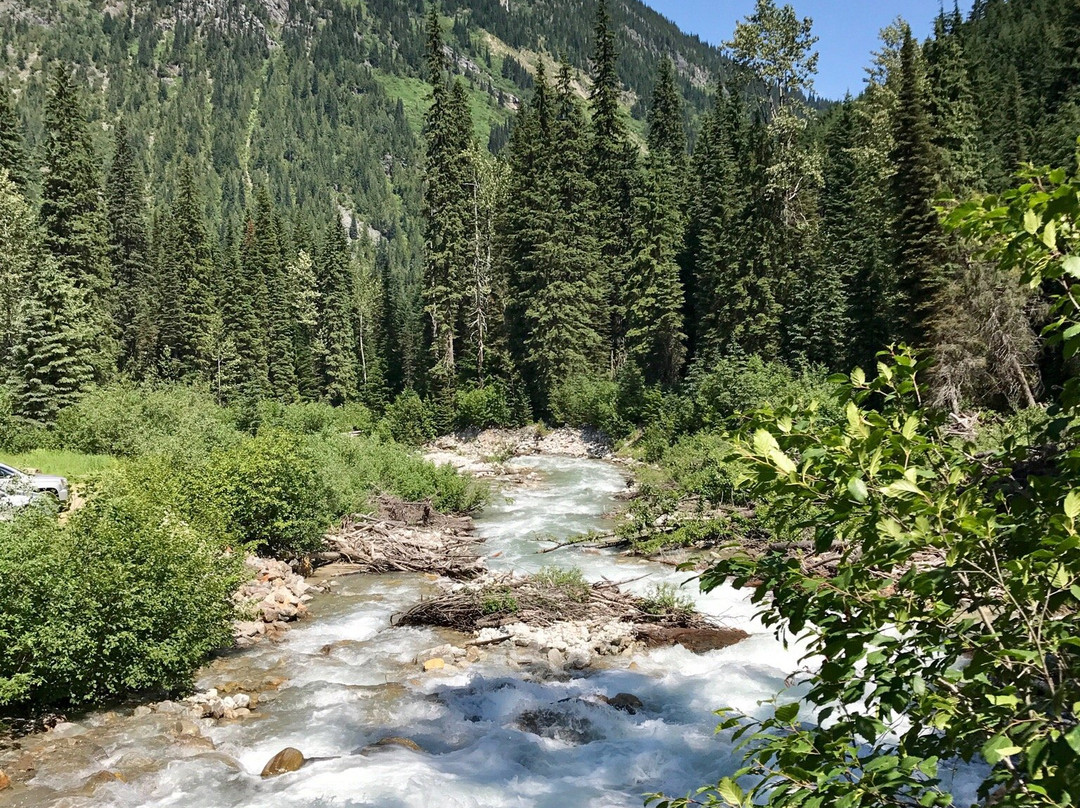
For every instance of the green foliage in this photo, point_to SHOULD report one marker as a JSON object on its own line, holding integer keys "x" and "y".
{"x": 75, "y": 466}
{"x": 588, "y": 401}
{"x": 275, "y": 493}
{"x": 499, "y": 600}
{"x": 129, "y": 421}
{"x": 408, "y": 420}
{"x": 666, "y": 599}
{"x": 488, "y": 406}
{"x": 128, "y": 596}
{"x": 567, "y": 582}
{"x": 315, "y": 418}
{"x": 723, "y": 390}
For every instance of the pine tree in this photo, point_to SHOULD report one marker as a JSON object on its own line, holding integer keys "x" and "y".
{"x": 303, "y": 285}
{"x": 335, "y": 345}
{"x": 613, "y": 165}
{"x": 73, "y": 213}
{"x": 20, "y": 255}
{"x": 248, "y": 378}
{"x": 447, "y": 137}
{"x": 654, "y": 337}
{"x": 188, "y": 285}
{"x": 129, "y": 251}
{"x": 12, "y": 151}
{"x": 270, "y": 263}
{"x": 667, "y": 134}
{"x": 917, "y": 232}
{"x": 951, "y": 108}
{"x": 53, "y": 354}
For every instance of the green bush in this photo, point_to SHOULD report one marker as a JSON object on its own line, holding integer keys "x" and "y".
{"x": 484, "y": 407}
{"x": 128, "y": 421}
{"x": 312, "y": 418}
{"x": 722, "y": 390}
{"x": 588, "y": 401}
{"x": 359, "y": 469}
{"x": 274, "y": 491}
{"x": 128, "y": 596}
{"x": 408, "y": 420}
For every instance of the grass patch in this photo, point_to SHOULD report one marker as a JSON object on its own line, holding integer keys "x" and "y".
{"x": 73, "y": 465}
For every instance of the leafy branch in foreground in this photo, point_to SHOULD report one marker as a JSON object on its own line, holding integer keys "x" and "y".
{"x": 950, "y": 631}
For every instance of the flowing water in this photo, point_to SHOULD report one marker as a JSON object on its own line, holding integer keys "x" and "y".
{"x": 350, "y": 679}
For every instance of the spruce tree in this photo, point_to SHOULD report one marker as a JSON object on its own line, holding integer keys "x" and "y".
{"x": 54, "y": 347}
{"x": 129, "y": 251}
{"x": 654, "y": 312}
{"x": 917, "y": 233}
{"x": 12, "y": 151}
{"x": 73, "y": 213}
{"x": 335, "y": 345}
{"x": 188, "y": 284}
{"x": 278, "y": 319}
{"x": 447, "y": 136}
{"x": 20, "y": 255}
{"x": 613, "y": 166}
{"x": 561, "y": 291}
{"x": 667, "y": 134}
{"x": 249, "y": 379}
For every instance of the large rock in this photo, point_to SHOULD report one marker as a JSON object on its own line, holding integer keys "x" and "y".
{"x": 627, "y": 702}
{"x": 393, "y": 740}
{"x": 698, "y": 640}
{"x": 287, "y": 760}
{"x": 5, "y": 781}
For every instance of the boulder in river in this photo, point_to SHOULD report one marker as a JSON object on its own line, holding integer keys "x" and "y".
{"x": 287, "y": 760}
{"x": 627, "y": 702}
{"x": 434, "y": 664}
{"x": 5, "y": 781}
{"x": 393, "y": 740}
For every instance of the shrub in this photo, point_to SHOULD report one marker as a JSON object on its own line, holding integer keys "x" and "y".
{"x": 722, "y": 390}
{"x": 274, "y": 492}
{"x": 484, "y": 407}
{"x": 588, "y": 401}
{"x": 128, "y": 596}
{"x": 408, "y": 420}
{"x": 570, "y": 583}
{"x": 666, "y": 598}
{"x": 129, "y": 421}
{"x": 312, "y": 418}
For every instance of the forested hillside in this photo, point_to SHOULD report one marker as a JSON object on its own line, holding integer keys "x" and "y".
{"x": 301, "y": 200}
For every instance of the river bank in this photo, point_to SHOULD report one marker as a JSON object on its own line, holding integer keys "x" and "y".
{"x": 346, "y": 680}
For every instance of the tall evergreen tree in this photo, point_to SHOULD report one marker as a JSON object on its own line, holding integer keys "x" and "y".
{"x": 613, "y": 166}
{"x": 129, "y": 251}
{"x": 73, "y": 212}
{"x": 188, "y": 284}
{"x": 249, "y": 380}
{"x": 12, "y": 150}
{"x": 335, "y": 346}
{"x": 269, "y": 262}
{"x": 447, "y": 135}
{"x": 917, "y": 232}
{"x": 21, "y": 240}
{"x": 54, "y": 347}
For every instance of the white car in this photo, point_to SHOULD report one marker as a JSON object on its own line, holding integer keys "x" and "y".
{"x": 15, "y": 483}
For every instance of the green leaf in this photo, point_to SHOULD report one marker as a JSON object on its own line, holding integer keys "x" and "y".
{"x": 857, "y": 488}
{"x": 787, "y": 713}
{"x": 901, "y": 486}
{"x": 1072, "y": 504}
{"x": 1071, "y": 265}
{"x": 998, "y": 748}
{"x": 764, "y": 443}
{"x": 1072, "y": 738}
{"x": 729, "y": 791}
{"x": 1031, "y": 222}
{"x": 1049, "y": 235}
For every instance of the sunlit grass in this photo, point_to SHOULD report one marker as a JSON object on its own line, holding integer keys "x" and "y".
{"x": 73, "y": 465}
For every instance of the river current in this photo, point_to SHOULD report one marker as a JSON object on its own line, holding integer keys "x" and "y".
{"x": 348, "y": 679}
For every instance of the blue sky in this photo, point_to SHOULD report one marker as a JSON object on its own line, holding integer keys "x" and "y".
{"x": 847, "y": 29}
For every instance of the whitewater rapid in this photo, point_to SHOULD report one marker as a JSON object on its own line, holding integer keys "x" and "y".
{"x": 348, "y": 679}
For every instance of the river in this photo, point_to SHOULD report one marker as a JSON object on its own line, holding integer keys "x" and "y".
{"x": 346, "y": 679}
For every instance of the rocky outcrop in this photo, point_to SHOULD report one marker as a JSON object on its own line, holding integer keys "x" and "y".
{"x": 480, "y": 452}
{"x": 274, "y": 597}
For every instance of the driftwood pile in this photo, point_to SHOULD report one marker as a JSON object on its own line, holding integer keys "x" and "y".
{"x": 406, "y": 537}
{"x": 506, "y": 600}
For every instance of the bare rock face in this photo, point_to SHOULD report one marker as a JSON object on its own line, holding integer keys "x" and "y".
{"x": 287, "y": 760}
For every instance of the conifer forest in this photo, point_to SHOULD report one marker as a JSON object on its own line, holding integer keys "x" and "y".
{"x": 258, "y": 256}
